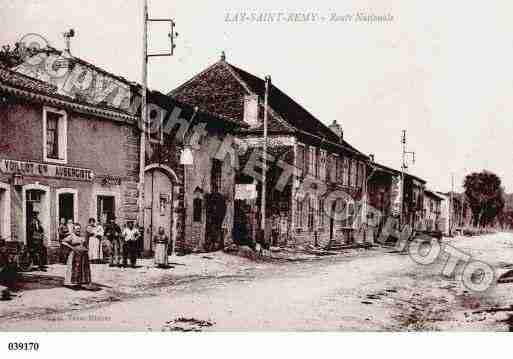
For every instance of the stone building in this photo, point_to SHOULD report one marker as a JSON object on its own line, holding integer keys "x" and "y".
{"x": 177, "y": 197}
{"x": 62, "y": 157}
{"x": 192, "y": 198}
{"x": 299, "y": 208}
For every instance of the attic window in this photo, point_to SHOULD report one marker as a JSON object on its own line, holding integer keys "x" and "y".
{"x": 251, "y": 110}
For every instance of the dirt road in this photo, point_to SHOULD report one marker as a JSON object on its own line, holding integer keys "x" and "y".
{"x": 377, "y": 290}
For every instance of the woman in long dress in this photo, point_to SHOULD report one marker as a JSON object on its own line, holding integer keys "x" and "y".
{"x": 93, "y": 242}
{"x": 161, "y": 241}
{"x": 78, "y": 272}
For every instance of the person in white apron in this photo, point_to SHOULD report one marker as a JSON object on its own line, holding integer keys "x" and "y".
{"x": 93, "y": 242}
{"x": 161, "y": 241}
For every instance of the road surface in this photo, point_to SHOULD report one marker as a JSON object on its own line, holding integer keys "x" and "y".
{"x": 378, "y": 290}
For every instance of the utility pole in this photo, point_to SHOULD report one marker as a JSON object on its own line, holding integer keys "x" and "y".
{"x": 142, "y": 155}
{"x": 404, "y": 167}
{"x": 264, "y": 158}
{"x": 451, "y": 220}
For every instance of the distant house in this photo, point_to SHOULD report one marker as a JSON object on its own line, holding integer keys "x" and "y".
{"x": 385, "y": 200}
{"x": 446, "y": 219}
{"x": 432, "y": 211}
{"x": 296, "y": 213}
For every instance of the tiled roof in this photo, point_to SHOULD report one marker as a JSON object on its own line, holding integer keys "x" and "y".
{"x": 221, "y": 89}
{"x": 395, "y": 172}
{"x": 18, "y": 80}
{"x": 76, "y": 60}
{"x": 169, "y": 104}
{"x": 433, "y": 194}
{"x": 25, "y": 86}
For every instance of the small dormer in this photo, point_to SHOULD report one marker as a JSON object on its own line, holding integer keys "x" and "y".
{"x": 251, "y": 110}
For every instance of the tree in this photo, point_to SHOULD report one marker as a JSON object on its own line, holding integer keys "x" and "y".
{"x": 11, "y": 56}
{"x": 485, "y": 197}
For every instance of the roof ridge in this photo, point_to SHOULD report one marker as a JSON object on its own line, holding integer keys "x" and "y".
{"x": 171, "y": 93}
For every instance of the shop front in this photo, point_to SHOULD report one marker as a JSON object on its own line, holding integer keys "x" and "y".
{"x": 51, "y": 194}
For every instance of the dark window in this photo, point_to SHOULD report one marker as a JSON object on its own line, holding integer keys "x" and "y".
{"x": 197, "y": 209}
{"x": 339, "y": 164}
{"x": 154, "y": 125}
{"x": 301, "y": 160}
{"x": 105, "y": 208}
{"x": 321, "y": 212}
{"x": 299, "y": 214}
{"x": 217, "y": 167}
{"x": 310, "y": 215}
{"x": 52, "y": 135}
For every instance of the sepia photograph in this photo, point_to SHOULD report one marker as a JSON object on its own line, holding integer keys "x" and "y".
{"x": 273, "y": 167}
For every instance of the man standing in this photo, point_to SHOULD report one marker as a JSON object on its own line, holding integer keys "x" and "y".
{"x": 35, "y": 245}
{"x": 113, "y": 234}
{"x": 130, "y": 236}
{"x": 63, "y": 233}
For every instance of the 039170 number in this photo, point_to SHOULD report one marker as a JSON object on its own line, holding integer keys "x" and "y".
{"x": 32, "y": 346}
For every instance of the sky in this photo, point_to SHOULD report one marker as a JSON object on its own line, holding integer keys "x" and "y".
{"x": 442, "y": 71}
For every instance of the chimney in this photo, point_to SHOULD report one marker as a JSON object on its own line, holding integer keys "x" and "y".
{"x": 251, "y": 110}
{"x": 337, "y": 129}
{"x": 371, "y": 157}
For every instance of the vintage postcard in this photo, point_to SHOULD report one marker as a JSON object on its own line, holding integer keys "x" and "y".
{"x": 275, "y": 167}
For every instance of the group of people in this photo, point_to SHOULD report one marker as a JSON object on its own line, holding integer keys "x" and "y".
{"x": 80, "y": 249}
{"x": 123, "y": 244}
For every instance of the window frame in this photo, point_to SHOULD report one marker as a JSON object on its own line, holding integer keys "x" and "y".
{"x": 323, "y": 164}
{"x": 62, "y": 135}
{"x": 299, "y": 210}
{"x": 320, "y": 213}
{"x": 160, "y": 140}
{"x": 310, "y": 215}
{"x": 312, "y": 164}
{"x": 197, "y": 209}
{"x": 346, "y": 171}
{"x": 216, "y": 176}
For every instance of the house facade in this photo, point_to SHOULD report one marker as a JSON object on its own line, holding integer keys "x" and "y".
{"x": 446, "y": 217}
{"x": 433, "y": 220}
{"x": 192, "y": 202}
{"x": 62, "y": 158}
{"x": 307, "y": 162}
{"x": 385, "y": 200}
{"x": 191, "y": 198}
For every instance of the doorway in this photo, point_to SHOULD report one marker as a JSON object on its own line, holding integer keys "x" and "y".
{"x": 67, "y": 207}
{"x": 105, "y": 208}
{"x": 332, "y": 219}
{"x": 158, "y": 194}
{"x": 5, "y": 214}
{"x": 33, "y": 208}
